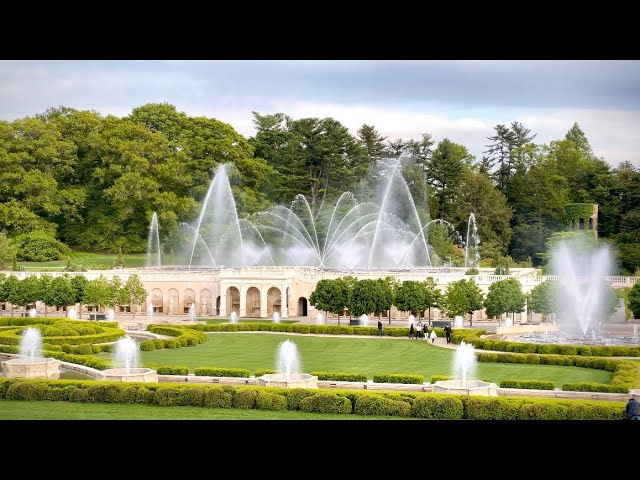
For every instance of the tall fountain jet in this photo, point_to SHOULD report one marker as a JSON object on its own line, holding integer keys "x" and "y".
{"x": 471, "y": 248}
{"x": 582, "y": 295}
{"x": 153, "y": 244}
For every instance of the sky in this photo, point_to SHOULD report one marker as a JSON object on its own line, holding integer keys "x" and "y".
{"x": 462, "y": 100}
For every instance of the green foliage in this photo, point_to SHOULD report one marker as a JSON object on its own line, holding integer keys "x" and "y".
{"x": 39, "y": 246}
{"x": 528, "y": 384}
{"x": 221, "y": 372}
{"x": 8, "y": 252}
{"x": 270, "y": 401}
{"x": 437, "y": 407}
{"x": 634, "y": 299}
{"x": 543, "y": 298}
{"x": 398, "y": 378}
{"x": 245, "y": 399}
{"x": 218, "y": 398}
{"x": 504, "y": 296}
{"x": 462, "y": 297}
{"x": 325, "y": 403}
{"x": 264, "y": 371}
{"x": 340, "y": 376}
{"x": 573, "y": 212}
{"x": 381, "y": 406}
{"x": 172, "y": 370}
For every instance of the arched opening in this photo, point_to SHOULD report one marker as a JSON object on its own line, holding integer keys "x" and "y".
{"x": 590, "y": 223}
{"x": 581, "y": 224}
{"x": 274, "y": 301}
{"x": 233, "y": 300}
{"x": 218, "y": 305}
{"x": 189, "y": 299}
{"x": 174, "y": 302}
{"x": 302, "y": 306}
{"x": 205, "y": 302}
{"x": 253, "y": 302}
{"x": 156, "y": 301}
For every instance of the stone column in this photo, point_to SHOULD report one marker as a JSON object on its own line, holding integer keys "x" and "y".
{"x": 223, "y": 300}
{"x": 243, "y": 301}
{"x": 284, "y": 307}
{"x": 263, "y": 301}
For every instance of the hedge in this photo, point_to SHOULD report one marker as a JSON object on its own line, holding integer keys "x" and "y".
{"x": 528, "y": 384}
{"x": 221, "y": 372}
{"x": 340, "y": 376}
{"x": 378, "y": 405}
{"x": 398, "y": 378}
{"x": 326, "y": 403}
{"x": 172, "y": 370}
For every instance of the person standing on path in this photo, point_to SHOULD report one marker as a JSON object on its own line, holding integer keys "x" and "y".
{"x": 411, "y": 331}
{"x": 379, "y": 328}
{"x": 419, "y": 330}
{"x": 633, "y": 409}
{"x": 433, "y": 335}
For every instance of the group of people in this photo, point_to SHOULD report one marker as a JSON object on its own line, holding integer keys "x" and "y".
{"x": 422, "y": 331}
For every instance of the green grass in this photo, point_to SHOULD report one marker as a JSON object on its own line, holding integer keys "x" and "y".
{"x": 88, "y": 259}
{"x": 41, "y": 410}
{"x": 243, "y": 320}
{"x": 367, "y": 355}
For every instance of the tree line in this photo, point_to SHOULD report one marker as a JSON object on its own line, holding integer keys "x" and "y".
{"x": 462, "y": 297}
{"x": 74, "y": 178}
{"x": 64, "y": 290}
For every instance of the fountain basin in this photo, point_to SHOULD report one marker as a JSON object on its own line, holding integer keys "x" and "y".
{"x": 146, "y": 375}
{"x": 31, "y": 367}
{"x": 470, "y": 387}
{"x": 293, "y": 380}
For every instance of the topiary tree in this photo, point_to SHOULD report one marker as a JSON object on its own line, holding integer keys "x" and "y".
{"x": 504, "y": 296}
{"x": 135, "y": 292}
{"x": 634, "y": 300}
{"x": 542, "y": 298}
{"x": 366, "y": 297}
{"x": 462, "y": 297}
{"x": 411, "y": 296}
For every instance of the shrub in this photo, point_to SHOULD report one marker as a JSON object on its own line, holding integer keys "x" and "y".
{"x": 84, "y": 349}
{"x": 172, "y": 370}
{"x": 218, "y": 398}
{"x": 528, "y": 384}
{"x": 381, "y": 406}
{"x": 341, "y": 376}
{"x": 159, "y": 343}
{"x": 492, "y": 408}
{"x": 192, "y": 396}
{"x": 105, "y": 393}
{"x": 221, "y": 372}
{"x": 264, "y": 371}
{"x": 27, "y": 391}
{"x": 437, "y": 407}
{"x": 147, "y": 346}
{"x": 326, "y": 403}
{"x": 79, "y": 395}
{"x": 398, "y": 378}
{"x": 39, "y": 246}
{"x": 295, "y": 396}
{"x": 245, "y": 399}
{"x": 270, "y": 401}
{"x": 167, "y": 396}
{"x": 543, "y": 411}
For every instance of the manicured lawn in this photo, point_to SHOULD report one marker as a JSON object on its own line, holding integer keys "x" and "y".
{"x": 88, "y": 259}
{"x": 367, "y": 355}
{"x": 40, "y": 410}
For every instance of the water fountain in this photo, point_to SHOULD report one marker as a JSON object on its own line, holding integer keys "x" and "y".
{"x": 319, "y": 319}
{"x": 411, "y": 319}
{"x": 581, "y": 267}
{"x": 71, "y": 313}
{"x": 471, "y": 249}
{"x": 150, "y": 312}
{"x": 33, "y": 313}
{"x": 288, "y": 370}
{"x": 126, "y": 357}
{"x": 111, "y": 315}
{"x": 234, "y": 317}
{"x": 457, "y": 321}
{"x": 349, "y": 234}
{"x": 192, "y": 312}
{"x": 364, "y": 320}
{"x": 464, "y": 366}
{"x": 154, "y": 255}
{"x": 276, "y": 317}
{"x": 31, "y": 364}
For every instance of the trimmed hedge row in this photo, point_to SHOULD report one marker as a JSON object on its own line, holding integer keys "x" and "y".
{"x": 340, "y": 376}
{"x": 12, "y": 337}
{"x": 184, "y": 337}
{"x": 400, "y": 404}
{"x": 21, "y": 321}
{"x": 528, "y": 384}
{"x": 172, "y": 370}
{"x": 221, "y": 372}
{"x": 398, "y": 378}
{"x": 550, "y": 348}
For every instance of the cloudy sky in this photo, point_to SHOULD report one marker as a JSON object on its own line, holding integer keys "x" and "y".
{"x": 459, "y": 100}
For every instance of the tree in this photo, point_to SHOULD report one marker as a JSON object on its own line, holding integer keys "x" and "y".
{"x": 462, "y": 297}
{"x": 444, "y": 170}
{"x": 60, "y": 293}
{"x": 387, "y": 295}
{"x": 8, "y": 287}
{"x": 79, "y": 284}
{"x": 348, "y": 283}
{"x": 2, "y": 292}
{"x": 97, "y": 292}
{"x": 372, "y": 142}
{"x": 45, "y": 283}
{"x": 634, "y": 299}
{"x": 411, "y": 296}
{"x": 433, "y": 295}
{"x": 366, "y": 297}
{"x": 330, "y": 296}
{"x": 504, "y": 296}
{"x": 7, "y": 251}
{"x": 26, "y": 292}
{"x": 543, "y": 298}
{"x": 135, "y": 292}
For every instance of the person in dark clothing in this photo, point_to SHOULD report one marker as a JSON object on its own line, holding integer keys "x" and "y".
{"x": 447, "y": 333}
{"x": 379, "y": 328}
{"x": 633, "y": 409}
{"x": 411, "y": 331}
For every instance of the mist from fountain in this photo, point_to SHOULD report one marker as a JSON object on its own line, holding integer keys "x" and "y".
{"x": 126, "y": 354}
{"x": 582, "y": 289}
{"x": 464, "y": 363}
{"x": 31, "y": 343}
{"x": 154, "y": 253}
{"x": 411, "y": 319}
{"x": 635, "y": 332}
{"x": 111, "y": 315}
{"x": 472, "y": 249}
{"x": 71, "y": 313}
{"x": 350, "y": 234}
{"x": 288, "y": 359}
{"x": 276, "y": 317}
{"x": 457, "y": 321}
{"x": 192, "y": 312}
{"x": 364, "y": 320}
{"x": 33, "y": 313}
{"x": 234, "y": 317}
{"x": 319, "y": 319}
{"x": 150, "y": 312}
